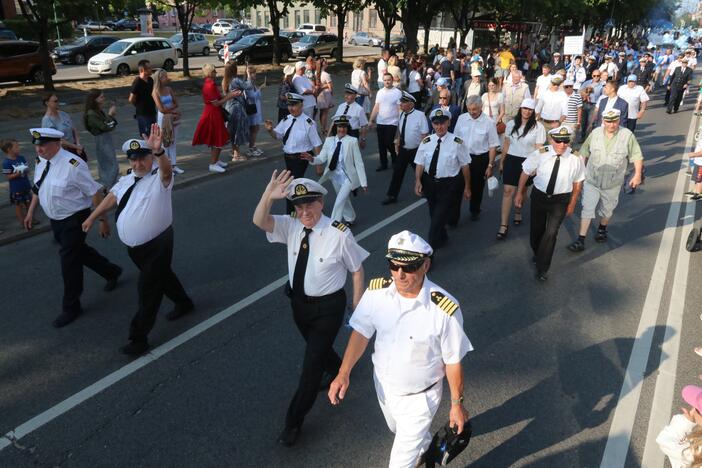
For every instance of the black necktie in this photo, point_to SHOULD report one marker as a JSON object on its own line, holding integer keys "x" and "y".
{"x": 36, "y": 187}
{"x": 402, "y": 132}
{"x": 435, "y": 159}
{"x": 287, "y": 132}
{"x": 125, "y": 198}
{"x": 346, "y": 111}
{"x": 303, "y": 254}
{"x": 554, "y": 175}
{"x": 335, "y": 157}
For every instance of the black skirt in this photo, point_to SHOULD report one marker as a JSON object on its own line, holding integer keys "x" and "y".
{"x": 512, "y": 170}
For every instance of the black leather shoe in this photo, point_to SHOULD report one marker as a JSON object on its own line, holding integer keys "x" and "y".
{"x": 65, "y": 318}
{"x": 179, "y": 311}
{"x": 112, "y": 282}
{"x": 289, "y": 436}
{"x": 135, "y": 348}
{"x": 389, "y": 201}
{"x": 541, "y": 276}
{"x": 381, "y": 168}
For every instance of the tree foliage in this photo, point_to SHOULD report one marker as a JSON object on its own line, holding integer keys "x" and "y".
{"x": 340, "y": 8}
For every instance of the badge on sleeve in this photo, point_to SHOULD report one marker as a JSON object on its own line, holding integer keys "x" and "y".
{"x": 74, "y": 162}
{"x": 458, "y": 140}
{"x": 379, "y": 283}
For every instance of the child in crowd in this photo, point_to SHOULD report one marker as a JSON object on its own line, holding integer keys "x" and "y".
{"x": 15, "y": 168}
{"x": 696, "y": 167}
{"x": 681, "y": 440}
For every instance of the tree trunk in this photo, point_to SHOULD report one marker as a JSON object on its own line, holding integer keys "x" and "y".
{"x": 427, "y": 28}
{"x": 43, "y": 26}
{"x": 340, "y": 24}
{"x": 410, "y": 23}
{"x": 275, "y": 26}
{"x": 184, "y": 31}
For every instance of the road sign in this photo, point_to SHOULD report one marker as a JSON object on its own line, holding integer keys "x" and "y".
{"x": 225, "y": 56}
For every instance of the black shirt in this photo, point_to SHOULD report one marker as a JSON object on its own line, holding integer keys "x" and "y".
{"x": 145, "y": 105}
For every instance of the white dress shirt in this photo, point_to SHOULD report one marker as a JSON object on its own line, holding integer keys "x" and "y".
{"x": 68, "y": 186}
{"x": 302, "y": 83}
{"x": 149, "y": 210}
{"x": 303, "y": 136}
{"x": 479, "y": 134}
{"x": 610, "y": 68}
{"x": 542, "y": 84}
{"x": 453, "y": 154}
{"x": 541, "y": 161}
{"x": 523, "y": 146}
{"x": 333, "y": 252}
{"x": 356, "y": 114}
{"x": 414, "y": 338}
{"x": 552, "y": 105}
{"x": 388, "y": 109}
{"x": 415, "y": 129}
{"x": 634, "y": 97}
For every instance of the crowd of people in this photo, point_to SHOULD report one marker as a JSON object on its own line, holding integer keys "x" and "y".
{"x": 458, "y": 118}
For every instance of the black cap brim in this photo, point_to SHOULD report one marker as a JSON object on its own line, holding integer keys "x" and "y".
{"x": 136, "y": 154}
{"x": 293, "y": 102}
{"x": 308, "y": 198}
{"x": 43, "y": 140}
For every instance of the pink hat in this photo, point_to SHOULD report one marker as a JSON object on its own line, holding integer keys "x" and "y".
{"x": 692, "y": 394}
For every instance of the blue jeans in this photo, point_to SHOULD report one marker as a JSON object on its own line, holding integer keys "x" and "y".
{"x": 144, "y": 123}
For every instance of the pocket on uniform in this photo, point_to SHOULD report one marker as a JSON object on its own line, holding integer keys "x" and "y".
{"x": 419, "y": 350}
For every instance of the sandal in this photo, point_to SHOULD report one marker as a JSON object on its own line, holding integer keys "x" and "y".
{"x": 577, "y": 246}
{"x": 517, "y": 218}
{"x": 502, "y": 234}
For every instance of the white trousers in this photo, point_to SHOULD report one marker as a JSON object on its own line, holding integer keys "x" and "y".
{"x": 409, "y": 417}
{"x": 343, "y": 209}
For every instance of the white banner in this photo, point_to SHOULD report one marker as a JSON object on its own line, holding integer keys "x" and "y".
{"x": 573, "y": 45}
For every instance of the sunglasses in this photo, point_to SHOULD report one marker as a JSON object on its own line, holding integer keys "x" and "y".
{"x": 411, "y": 268}
{"x": 595, "y": 76}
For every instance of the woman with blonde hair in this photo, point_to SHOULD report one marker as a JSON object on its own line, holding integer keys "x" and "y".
{"x": 238, "y": 124}
{"x": 168, "y": 117}
{"x": 211, "y": 129}
{"x": 253, "y": 97}
{"x": 359, "y": 80}
{"x": 681, "y": 439}
{"x": 395, "y": 71}
{"x": 100, "y": 124}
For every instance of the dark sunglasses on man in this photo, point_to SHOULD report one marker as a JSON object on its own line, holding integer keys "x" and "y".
{"x": 408, "y": 268}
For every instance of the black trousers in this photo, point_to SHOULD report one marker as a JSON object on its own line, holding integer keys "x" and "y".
{"x": 478, "y": 166}
{"x": 676, "y": 95}
{"x": 442, "y": 197}
{"x": 631, "y": 124}
{"x": 318, "y": 320}
{"x": 75, "y": 254}
{"x": 547, "y": 214}
{"x": 386, "y": 143}
{"x": 587, "y": 107}
{"x": 297, "y": 167}
{"x": 156, "y": 278}
{"x": 404, "y": 157}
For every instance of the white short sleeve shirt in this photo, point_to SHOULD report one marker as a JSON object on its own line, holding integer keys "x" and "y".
{"x": 453, "y": 154}
{"x": 634, "y": 97}
{"x": 388, "y": 108}
{"x": 540, "y": 164}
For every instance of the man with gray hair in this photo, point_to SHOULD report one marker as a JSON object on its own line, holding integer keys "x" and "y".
{"x": 514, "y": 91}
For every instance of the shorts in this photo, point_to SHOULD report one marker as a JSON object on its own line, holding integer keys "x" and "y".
{"x": 697, "y": 174}
{"x": 599, "y": 201}
{"x": 512, "y": 170}
{"x": 20, "y": 198}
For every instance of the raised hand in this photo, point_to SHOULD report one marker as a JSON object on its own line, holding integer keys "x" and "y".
{"x": 277, "y": 187}
{"x": 154, "y": 140}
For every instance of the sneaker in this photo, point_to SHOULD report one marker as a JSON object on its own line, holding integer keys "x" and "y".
{"x": 222, "y": 164}
{"x": 177, "y": 170}
{"x": 216, "y": 168}
{"x": 254, "y": 151}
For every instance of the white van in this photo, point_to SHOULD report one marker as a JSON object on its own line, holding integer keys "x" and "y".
{"x": 311, "y": 27}
{"x": 122, "y": 57}
{"x": 223, "y": 25}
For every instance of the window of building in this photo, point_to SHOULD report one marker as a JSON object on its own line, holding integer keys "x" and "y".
{"x": 286, "y": 22}
{"x": 266, "y": 19}
{"x": 306, "y": 16}
{"x": 332, "y": 21}
{"x": 258, "y": 18}
{"x": 297, "y": 18}
{"x": 372, "y": 19}
{"x": 317, "y": 16}
{"x": 358, "y": 21}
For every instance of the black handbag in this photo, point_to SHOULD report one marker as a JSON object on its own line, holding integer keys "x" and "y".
{"x": 225, "y": 114}
{"x": 250, "y": 107}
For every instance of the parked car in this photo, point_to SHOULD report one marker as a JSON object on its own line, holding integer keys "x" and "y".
{"x": 126, "y": 24}
{"x": 234, "y": 36}
{"x": 293, "y": 36}
{"x": 20, "y": 61}
{"x": 315, "y": 44}
{"x": 200, "y": 29}
{"x": 7, "y": 35}
{"x": 398, "y": 43}
{"x": 365, "y": 39}
{"x": 197, "y": 44}
{"x": 311, "y": 27}
{"x": 80, "y": 50}
{"x": 223, "y": 26}
{"x": 93, "y": 26}
{"x": 123, "y": 56}
{"x": 258, "y": 48}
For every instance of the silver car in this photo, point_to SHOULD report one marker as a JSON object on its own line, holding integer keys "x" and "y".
{"x": 365, "y": 39}
{"x": 315, "y": 44}
{"x": 197, "y": 44}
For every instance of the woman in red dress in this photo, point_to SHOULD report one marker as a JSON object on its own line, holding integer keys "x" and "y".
{"x": 211, "y": 129}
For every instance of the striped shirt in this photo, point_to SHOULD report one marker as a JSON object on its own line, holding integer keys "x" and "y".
{"x": 575, "y": 102}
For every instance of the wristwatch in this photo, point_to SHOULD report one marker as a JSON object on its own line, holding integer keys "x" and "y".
{"x": 457, "y": 401}
{"x": 160, "y": 153}
{"x": 491, "y": 165}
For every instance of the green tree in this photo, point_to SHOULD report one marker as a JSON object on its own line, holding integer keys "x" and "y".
{"x": 277, "y": 9}
{"x": 339, "y": 8}
{"x": 387, "y": 13}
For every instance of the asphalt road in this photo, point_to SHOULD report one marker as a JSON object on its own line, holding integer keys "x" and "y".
{"x": 543, "y": 384}
{"x": 79, "y": 72}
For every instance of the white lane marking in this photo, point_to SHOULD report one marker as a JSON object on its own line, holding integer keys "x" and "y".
{"x": 663, "y": 394}
{"x": 619, "y": 438}
{"x": 71, "y": 402}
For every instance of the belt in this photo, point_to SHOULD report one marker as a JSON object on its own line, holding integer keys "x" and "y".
{"x": 476, "y": 155}
{"x": 296, "y": 155}
{"x": 550, "y": 121}
{"x": 318, "y": 299}
{"x": 554, "y": 197}
{"x": 442, "y": 179}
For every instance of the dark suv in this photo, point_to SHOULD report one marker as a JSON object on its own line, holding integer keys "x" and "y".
{"x": 234, "y": 35}
{"x": 20, "y": 61}
{"x": 80, "y": 50}
{"x": 258, "y": 48}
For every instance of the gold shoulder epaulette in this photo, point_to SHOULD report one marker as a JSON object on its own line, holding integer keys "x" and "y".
{"x": 74, "y": 162}
{"x": 340, "y": 226}
{"x": 379, "y": 283}
{"x": 426, "y": 140}
{"x": 457, "y": 140}
{"x": 293, "y": 214}
{"x": 444, "y": 303}
{"x": 543, "y": 149}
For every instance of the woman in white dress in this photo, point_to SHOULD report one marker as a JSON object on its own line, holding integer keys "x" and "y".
{"x": 359, "y": 80}
{"x": 493, "y": 101}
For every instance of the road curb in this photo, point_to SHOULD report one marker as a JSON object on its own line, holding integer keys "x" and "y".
{"x": 181, "y": 185}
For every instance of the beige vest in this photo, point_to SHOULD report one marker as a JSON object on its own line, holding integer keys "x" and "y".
{"x": 607, "y": 170}
{"x": 513, "y": 99}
